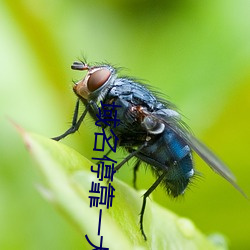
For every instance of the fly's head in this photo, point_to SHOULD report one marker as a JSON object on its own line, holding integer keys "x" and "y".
{"x": 93, "y": 85}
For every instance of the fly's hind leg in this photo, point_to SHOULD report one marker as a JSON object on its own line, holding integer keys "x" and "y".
{"x": 144, "y": 201}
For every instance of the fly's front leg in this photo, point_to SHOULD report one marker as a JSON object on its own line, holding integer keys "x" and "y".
{"x": 145, "y": 196}
{"x": 75, "y": 123}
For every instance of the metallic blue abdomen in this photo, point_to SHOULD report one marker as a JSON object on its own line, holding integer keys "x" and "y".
{"x": 170, "y": 153}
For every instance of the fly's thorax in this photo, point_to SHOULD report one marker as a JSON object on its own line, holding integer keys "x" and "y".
{"x": 95, "y": 84}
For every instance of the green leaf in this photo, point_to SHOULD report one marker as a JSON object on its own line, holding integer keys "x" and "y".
{"x": 68, "y": 178}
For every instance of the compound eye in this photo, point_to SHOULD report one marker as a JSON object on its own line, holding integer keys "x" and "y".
{"x": 97, "y": 79}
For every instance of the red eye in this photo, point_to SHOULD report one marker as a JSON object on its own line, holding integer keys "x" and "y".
{"x": 97, "y": 79}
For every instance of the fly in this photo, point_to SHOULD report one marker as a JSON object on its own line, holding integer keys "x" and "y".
{"x": 150, "y": 129}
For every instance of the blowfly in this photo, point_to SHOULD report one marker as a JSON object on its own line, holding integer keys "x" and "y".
{"x": 151, "y": 130}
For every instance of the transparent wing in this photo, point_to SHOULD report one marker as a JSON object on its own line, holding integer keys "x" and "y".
{"x": 208, "y": 156}
{"x": 175, "y": 124}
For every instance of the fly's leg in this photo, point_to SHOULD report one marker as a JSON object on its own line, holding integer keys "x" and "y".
{"x": 105, "y": 155}
{"x": 127, "y": 158}
{"x": 136, "y": 167}
{"x": 75, "y": 123}
{"x": 145, "y": 196}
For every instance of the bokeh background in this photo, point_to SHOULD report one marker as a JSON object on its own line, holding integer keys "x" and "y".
{"x": 195, "y": 52}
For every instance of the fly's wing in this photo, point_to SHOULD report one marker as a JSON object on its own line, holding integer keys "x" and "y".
{"x": 212, "y": 160}
{"x": 175, "y": 124}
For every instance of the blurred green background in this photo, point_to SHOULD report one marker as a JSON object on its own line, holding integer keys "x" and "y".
{"x": 195, "y": 52}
